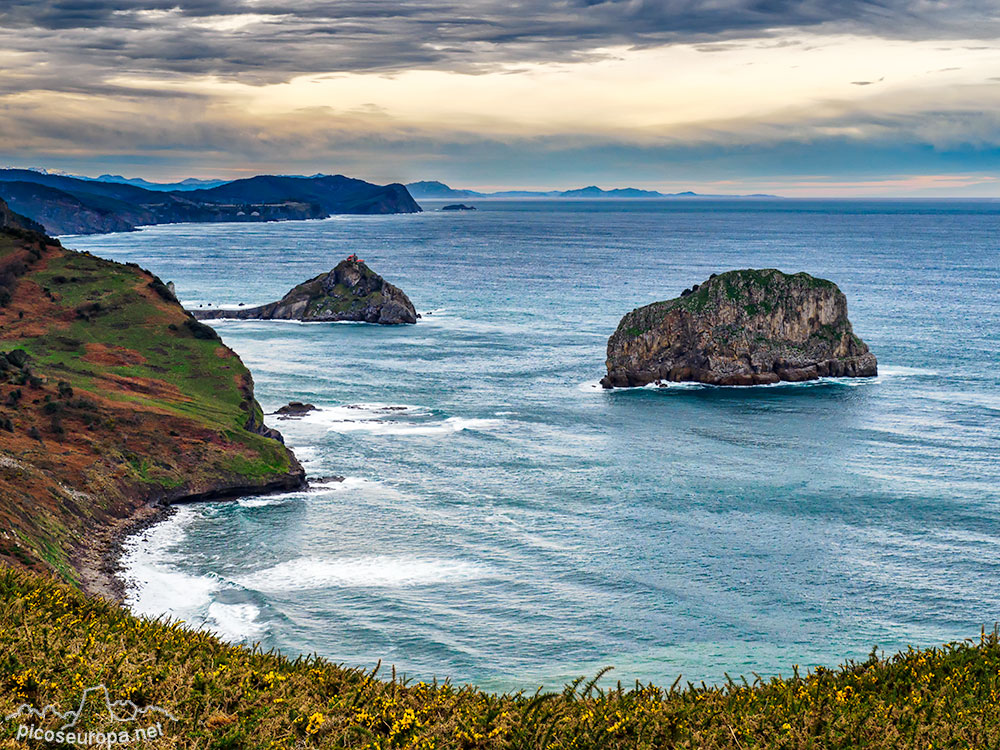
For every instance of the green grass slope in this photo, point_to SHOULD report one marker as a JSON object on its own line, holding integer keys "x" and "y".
{"x": 55, "y": 642}
{"x": 112, "y": 397}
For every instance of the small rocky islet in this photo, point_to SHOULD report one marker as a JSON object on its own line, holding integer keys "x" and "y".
{"x": 743, "y": 327}
{"x": 351, "y": 291}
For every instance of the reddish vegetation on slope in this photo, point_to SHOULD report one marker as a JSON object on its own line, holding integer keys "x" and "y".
{"x": 113, "y": 400}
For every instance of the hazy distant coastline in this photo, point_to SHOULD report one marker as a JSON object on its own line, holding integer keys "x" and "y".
{"x": 432, "y": 190}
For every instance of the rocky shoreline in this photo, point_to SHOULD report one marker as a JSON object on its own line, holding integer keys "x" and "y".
{"x": 98, "y": 558}
{"x": 115, "y": 404}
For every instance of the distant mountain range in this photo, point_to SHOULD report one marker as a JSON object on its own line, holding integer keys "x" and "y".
{"x": 191, "y": 183}
{"x": 432, "y": 189}
{"x": 74, "y": 205}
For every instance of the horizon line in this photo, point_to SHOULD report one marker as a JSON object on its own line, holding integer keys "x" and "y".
{"x": 490, "y": 192}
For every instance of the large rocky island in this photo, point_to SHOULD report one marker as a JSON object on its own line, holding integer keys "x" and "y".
{"x": 351, "y": 291}
{"x": 747, "y": 327}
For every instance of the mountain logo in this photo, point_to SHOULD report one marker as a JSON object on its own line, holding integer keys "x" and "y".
{"x": 95, "y": 700}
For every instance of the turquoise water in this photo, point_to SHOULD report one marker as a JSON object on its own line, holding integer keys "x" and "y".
{"x": 514, "y": 525}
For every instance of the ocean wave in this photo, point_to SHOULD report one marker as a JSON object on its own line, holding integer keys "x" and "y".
{"x": 329, "y": 415}
{"x": 815, "y": 383}
{"x": 447, "y": 426}
{"x": 306, "y": 452}
{"x": 900, "y": 371}
{"x": 307, "y": 573}
{"x": 347, "y": 483}
{"x": 316, "y": 487}
{"x": 153, "y": 585}
{"x": 391, "y": 419}
{"x": 234, "y": 622}
{"x": 973, "y": 399}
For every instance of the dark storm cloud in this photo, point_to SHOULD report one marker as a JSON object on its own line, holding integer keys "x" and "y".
{"x": 88, "y": 40}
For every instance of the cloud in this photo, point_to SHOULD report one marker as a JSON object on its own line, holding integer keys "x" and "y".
{"x": 387, "y": 88}
{"x": 266, "y": 40}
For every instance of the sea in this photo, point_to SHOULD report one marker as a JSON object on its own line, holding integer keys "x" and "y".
{"x": 503, "y": 521}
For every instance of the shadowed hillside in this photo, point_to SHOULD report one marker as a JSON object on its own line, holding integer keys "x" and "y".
{"x": 70, "y": 205}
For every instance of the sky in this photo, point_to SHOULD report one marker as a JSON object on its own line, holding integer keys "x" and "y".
{"x": 793, "y": 97}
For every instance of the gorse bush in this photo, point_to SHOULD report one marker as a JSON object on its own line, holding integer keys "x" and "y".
{"x": 55, "y": 642}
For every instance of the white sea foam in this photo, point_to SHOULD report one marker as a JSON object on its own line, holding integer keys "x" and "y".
{"x": 330, "y": 415}
{"x": 156, "y": 587}
{"x": 346, "y": 484}
{"x": 362, "y": 572}
{"x": 817, "y": 382}
{"x": 258, "y": 502}
{"x": 444, "y": 427}
{"x": 234, "y": 622}
{"x": 900, "y": 371}
{"x": 319, "y": 487}
{"x": 391, "y": 419}
{"x": 306, "y": 452}
{"x": 153, "y": 586}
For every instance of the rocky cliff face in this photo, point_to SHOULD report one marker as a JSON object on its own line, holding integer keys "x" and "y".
{"x": 744, "y": 327}
{"x": 112, "y": 398}
{"x": 351, "y": 291}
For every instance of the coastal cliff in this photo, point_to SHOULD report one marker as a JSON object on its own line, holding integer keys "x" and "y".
{"x": 351, "y": 291}
{"x": 746, "y": 327}
{"x": 15, "y": 222}
{"x": 72, "y": 205}
{"x": 114, "y": 401}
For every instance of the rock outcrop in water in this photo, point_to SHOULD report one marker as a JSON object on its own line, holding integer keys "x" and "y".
{"x": 351, "y": 291}
{"x": 746, "y": 327}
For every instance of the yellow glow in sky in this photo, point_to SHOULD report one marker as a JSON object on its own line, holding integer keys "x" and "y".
{"x": 649, "y": 93}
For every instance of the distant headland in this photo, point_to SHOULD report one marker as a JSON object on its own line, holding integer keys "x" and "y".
{"x": 432, "y": 189}
{"x": 74, "y": 205}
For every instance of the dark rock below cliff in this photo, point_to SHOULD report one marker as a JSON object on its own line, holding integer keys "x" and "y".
{"x": 295, "y": 409}
{"x": 746, "y": 327}
{"x": 351, "y": 291}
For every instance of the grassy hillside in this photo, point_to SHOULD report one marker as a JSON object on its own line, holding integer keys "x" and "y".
{"x": 54, "y": 642}
{"x": 112, "y": 397}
